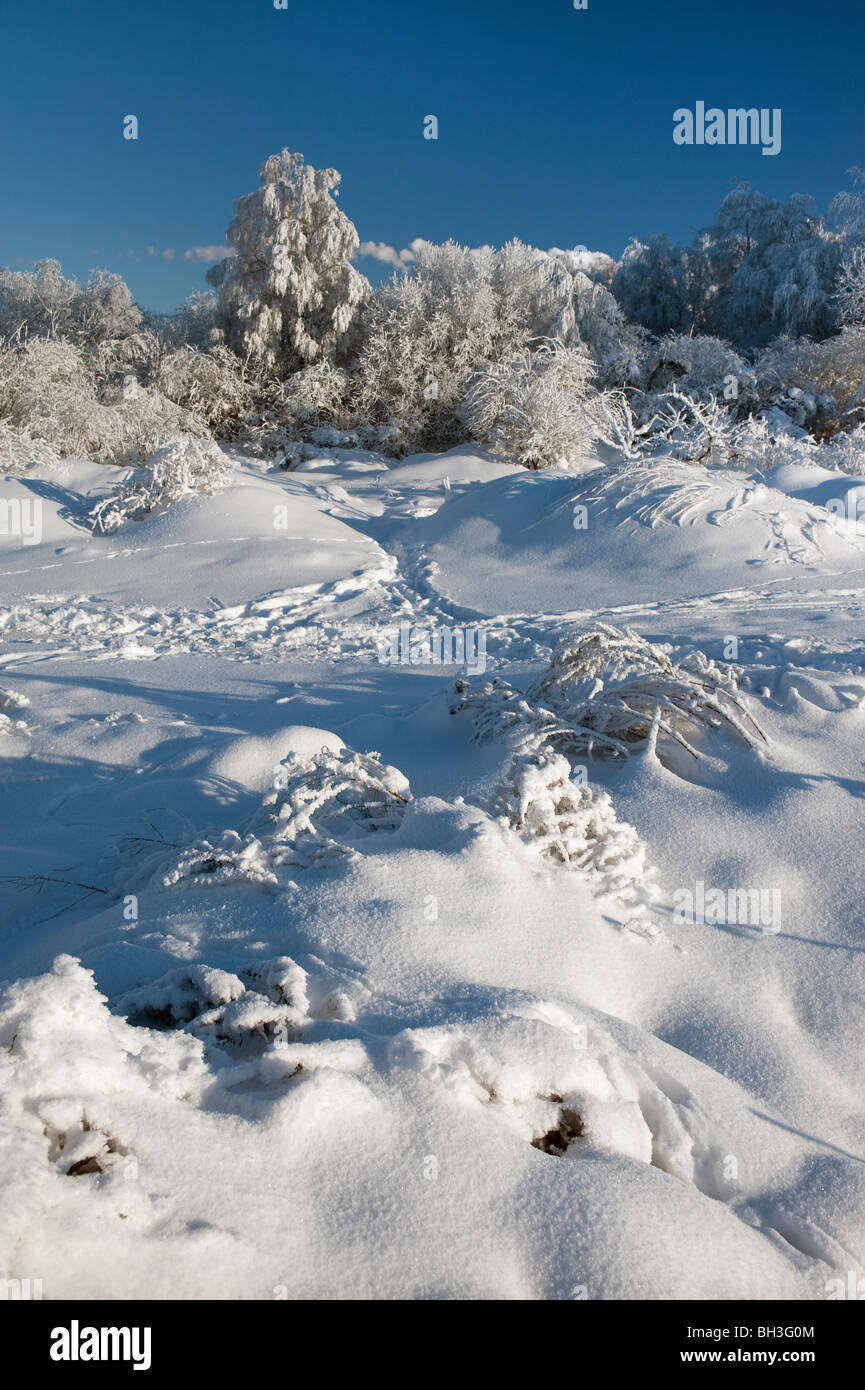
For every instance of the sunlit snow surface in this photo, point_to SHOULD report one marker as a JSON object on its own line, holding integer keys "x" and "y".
{"x": 300, "y": 1011}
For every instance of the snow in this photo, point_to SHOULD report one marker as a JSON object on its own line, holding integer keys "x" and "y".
{"x": 315, "y": 994}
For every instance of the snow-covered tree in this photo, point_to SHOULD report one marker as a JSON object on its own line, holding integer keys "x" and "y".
{"x": 290, "y": 295}
{"x": 768, "y": 267}
{"x": 653, "y": 285}
{"x": 847, "y": 209}
{"x": 850, "y": 293}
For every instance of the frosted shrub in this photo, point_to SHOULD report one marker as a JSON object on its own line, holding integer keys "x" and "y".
{"x": 845, "y": 452}
{"x": 820, "y": 386}
{"x": 178, "y": 469}
{"x": 44, "y": 303}
{"x": 695, "y": 430}
{"x": 530, "y": 409}
{"x": 19, "y": 452}
{"x": 48, "y": 391}
{"x": 700, "y": 366}
{"x": 617, "y": 684}
{"x": 210, "y": 385}
{"x": 430, "y": 329}
{"x": 424, "y": 333}
{"x": 615, "y": 345}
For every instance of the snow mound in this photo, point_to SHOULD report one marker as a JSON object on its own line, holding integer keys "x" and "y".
{"x": 545, "y": 542}
{"x": 253, "y": 762}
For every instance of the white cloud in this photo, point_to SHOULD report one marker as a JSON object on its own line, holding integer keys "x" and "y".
{"x": 380, "y": 251}
{"x": 208, "y": 253}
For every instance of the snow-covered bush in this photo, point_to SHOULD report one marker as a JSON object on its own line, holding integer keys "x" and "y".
{"x": 530, "y": 409}
{"x": 19, "y": 452}
{"x": 195, "y": 324}
{"x": 210, "y": 385}
{"x": 705, "y": 430}
{"x": 428, "y": 330}
{"x": 424, "y": 333}
{"x": 250, "y": 1009}
{"x": 845, "y": 452}
{"x": 177, "y": 469}
{"x": 49, "y": 392}
{"x": 699, "y": 366}
{"x": 12, "y": 700}
{"x": 104, "y": 310}
{"x": 615, "y": 345}
{"x": 46, "y": 390}
{"x": 617, "y": 685}
{"x": 290, "y": 295}
{"x": 820, "y": 386}
{"x": 44, "y": 303}
{"x": 533, "y": 297}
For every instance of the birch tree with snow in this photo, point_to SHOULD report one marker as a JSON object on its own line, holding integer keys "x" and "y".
{"x": 289, "y": 295}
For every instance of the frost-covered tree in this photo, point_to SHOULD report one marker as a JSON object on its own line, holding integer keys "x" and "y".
{"x": 847, "y": 209}
{"x": 290, "y": 295}
{"x": 850, "y": 293}
{"x": 768, "y": 268}
{"x": 653, "y": 285}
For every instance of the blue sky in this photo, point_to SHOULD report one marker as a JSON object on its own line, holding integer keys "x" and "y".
{"x": 555, "y": 125}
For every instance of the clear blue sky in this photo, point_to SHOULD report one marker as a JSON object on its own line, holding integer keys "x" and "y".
{"x": 555, "y": 125}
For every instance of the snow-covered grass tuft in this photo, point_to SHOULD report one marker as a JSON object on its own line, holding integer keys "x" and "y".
{"x": 610, "y": 693}
{"x": 573, "y": 825}
{"x": 323, "y": 805}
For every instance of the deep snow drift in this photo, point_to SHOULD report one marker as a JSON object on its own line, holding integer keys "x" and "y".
{"x": 339, "y": 978}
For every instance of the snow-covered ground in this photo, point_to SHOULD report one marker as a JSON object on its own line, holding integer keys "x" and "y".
{"x": 319, "y": 995}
